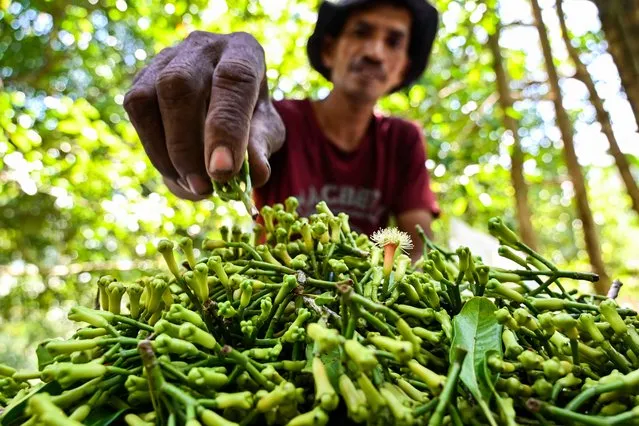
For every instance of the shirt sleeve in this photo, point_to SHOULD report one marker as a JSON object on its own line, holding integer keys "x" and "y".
{"x": 414, "y": 191}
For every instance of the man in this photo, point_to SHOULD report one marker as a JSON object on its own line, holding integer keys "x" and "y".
{"x": 200, "y": 105}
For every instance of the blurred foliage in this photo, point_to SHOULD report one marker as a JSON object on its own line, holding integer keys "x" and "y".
{"x": 78, "y": 197}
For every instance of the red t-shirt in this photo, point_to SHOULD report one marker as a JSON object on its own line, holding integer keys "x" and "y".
{"x": 385, "y": 174}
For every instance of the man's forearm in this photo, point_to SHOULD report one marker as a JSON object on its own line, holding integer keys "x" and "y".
{"x": 408, "y": 222}
{"x": 418, "y": 247}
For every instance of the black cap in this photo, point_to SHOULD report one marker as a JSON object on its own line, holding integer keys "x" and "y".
{"x": 332, "y": 16}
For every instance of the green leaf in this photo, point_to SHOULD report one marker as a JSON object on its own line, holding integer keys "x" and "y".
{"x": 70, "y": 126}
{"x": 513, "y": 113}
{"x": 310, "y": 349}
{"x": 459, "y": 206}
{"x": 103, "y": 416}
{"x": 13, "y": 414}
{"x": 44, "y": 357}
{"x": 333, "y": 362}
{"x": 476, "y": 329}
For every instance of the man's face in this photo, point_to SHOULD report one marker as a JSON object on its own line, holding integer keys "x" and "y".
{"x": 370, "y": 56}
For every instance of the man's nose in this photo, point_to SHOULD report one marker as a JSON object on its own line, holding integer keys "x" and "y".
{"x": 374, "y": 49}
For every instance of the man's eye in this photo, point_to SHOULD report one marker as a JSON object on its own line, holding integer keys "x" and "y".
{"x": 394, "y": 42}
{"x": 360, "y": 32}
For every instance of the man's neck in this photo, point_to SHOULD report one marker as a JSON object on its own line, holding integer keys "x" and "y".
{"x": 343, "y": 120}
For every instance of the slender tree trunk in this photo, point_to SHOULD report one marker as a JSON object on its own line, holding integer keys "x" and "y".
{"x": 570, "y": 156}
{"x": 602, "y": 115}
{"x": 517, "y": 156}
{"x": 620, "y": 22}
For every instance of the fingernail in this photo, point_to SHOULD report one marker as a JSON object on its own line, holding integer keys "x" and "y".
{"x": 198, "y": 185}
{"x": 183, "y": 185}
{"x": 268, "y": 166}
{"x": 221, "y": 160}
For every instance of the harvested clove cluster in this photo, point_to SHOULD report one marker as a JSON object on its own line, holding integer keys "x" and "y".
{"x": 305, "y": 322}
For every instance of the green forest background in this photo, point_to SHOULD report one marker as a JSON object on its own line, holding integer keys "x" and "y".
{"x": 529, "y": 108}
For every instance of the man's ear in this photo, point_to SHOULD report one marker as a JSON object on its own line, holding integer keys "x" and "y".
{"x": 328, "y": 52}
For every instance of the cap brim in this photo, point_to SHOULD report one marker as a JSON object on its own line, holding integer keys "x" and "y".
{"x": 331, "y": 17}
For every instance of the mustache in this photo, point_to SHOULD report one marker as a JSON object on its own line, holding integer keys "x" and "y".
{"x": 365, "y": 64}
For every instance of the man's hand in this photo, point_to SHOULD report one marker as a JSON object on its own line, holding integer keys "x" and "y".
{"x": 198, "y": 106}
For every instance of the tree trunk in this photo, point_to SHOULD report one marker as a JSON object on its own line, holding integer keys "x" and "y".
{"x": 620, "y": 22}
{"x": 602, "y": 115}
{"x": 517, "y": 156}
{"x": 570, "y": 156}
